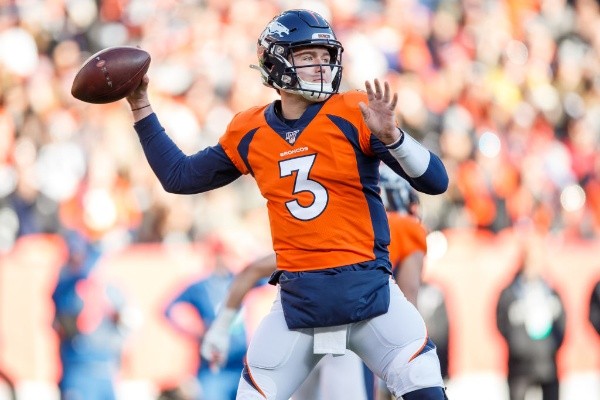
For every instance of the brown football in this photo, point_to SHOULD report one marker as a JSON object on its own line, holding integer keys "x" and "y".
{"x": 110, "y": 74}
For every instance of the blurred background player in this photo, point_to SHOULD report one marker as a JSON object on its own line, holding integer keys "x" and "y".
{"x": 531, "y": 318}
{"x": 89, "y": 320}
{"x": 408, "y": 244}
{"x": 193, "y": 311}
{"x": 408, "y": 248}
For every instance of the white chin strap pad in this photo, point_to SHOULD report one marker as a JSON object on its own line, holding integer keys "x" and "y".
{"x": 312, "y": 91}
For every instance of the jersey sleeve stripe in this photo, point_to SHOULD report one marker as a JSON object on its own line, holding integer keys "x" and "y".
{"x": 244, "y": 148}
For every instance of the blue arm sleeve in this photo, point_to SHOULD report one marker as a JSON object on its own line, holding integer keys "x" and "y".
{"x": 433, "y": 181}
{"x": 206, "y": 170}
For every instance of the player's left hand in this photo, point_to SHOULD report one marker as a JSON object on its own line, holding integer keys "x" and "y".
{"x": 379, "y": 114}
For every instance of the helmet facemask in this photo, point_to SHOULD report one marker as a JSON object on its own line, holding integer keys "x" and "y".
{"x": 279, "y": 71}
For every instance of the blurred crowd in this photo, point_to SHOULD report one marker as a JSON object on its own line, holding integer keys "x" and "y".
{"x": 507, "y": 92}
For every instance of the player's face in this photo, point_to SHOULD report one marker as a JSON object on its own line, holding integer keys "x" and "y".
{"x": 314, "y": 59}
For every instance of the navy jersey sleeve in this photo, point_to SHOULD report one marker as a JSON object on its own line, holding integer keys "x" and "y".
{"x": 433, "y": 181}
{"x": 178, "y": 173}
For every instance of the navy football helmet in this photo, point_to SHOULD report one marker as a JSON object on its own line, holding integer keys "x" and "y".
{"x": 287, "y": 32}
{"x": 396, "y": 192}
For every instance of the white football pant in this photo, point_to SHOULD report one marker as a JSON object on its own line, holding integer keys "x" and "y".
{"x": 279, "y": 359}
{"x": 339, "y": 377}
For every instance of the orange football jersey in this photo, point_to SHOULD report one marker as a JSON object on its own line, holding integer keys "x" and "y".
{"x": 319, "y": 177}
{"x": 407, "y": 236}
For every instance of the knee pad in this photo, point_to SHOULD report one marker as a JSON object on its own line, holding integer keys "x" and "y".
{"x": 422, "y": 372}
{"x": 431, "y": 393}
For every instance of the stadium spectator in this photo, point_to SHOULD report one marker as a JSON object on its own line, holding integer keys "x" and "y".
{"x": 35, "y": 212}
{"x": 89, "y": 320}
{"x": 531, "y": 318}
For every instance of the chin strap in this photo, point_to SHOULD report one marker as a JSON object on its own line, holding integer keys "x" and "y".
{"x": 315, "y": 91}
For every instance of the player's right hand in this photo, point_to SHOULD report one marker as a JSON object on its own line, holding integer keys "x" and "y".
{"x": 215, "y": 346}
{"x": 139, "y": 96}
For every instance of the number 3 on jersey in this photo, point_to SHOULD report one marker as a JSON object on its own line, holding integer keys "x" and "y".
{"x": 302, "y": 167}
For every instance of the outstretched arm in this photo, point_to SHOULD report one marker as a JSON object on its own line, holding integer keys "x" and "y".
{"x": 178, "y": 173}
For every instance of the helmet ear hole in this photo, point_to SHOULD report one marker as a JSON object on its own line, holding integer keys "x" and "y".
{"x": 268, "y": 65}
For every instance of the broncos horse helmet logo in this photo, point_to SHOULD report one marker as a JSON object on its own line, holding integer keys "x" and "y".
{"x": 276, "y": 28}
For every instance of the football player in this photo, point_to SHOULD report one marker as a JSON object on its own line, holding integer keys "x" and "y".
{"x": 314, "y": 154}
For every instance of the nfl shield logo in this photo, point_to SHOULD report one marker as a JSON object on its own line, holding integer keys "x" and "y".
{"x": 291, "y": 136}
